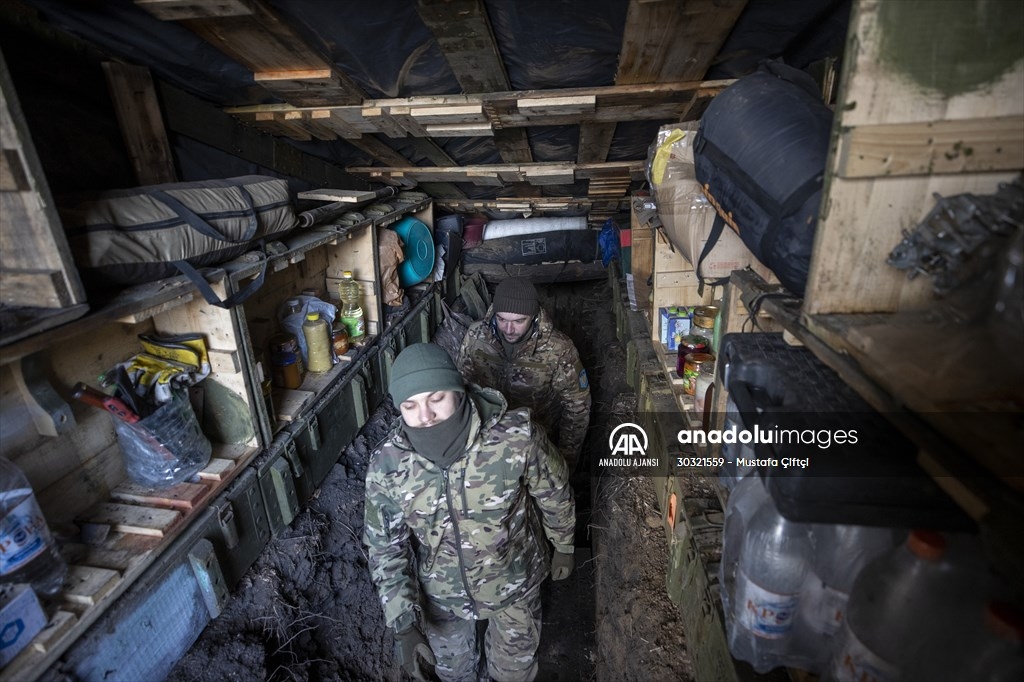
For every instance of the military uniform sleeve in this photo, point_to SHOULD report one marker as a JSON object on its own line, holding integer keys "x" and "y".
{"x": 465, "y": 363}
{"x": 548, "y": 481}
{"x": 389, "y": 546}
{"x": 573, "y": 387}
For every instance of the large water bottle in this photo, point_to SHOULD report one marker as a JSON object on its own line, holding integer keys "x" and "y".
{"x": 997, "y": 655}
{"x": 774, "y": 560}
{"x": 904, "y": 611}
{"x": 746, "y": 498}
{"x": 351, "y": 306}
{"x": 731, "y": 472}
{"x": 840, "y": 553}
{"x": 28, "y": 553}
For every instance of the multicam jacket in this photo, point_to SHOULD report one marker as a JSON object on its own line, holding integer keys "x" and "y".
{"x": 471, "y": 532}
{"x": 544, "y": 374}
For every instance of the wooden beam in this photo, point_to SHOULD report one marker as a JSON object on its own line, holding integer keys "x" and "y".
{"x": 556, "y": 174}
{"x": 251, "y": 33}
{"x": 463, "y": 32}
{"x": 378, "y": 150}
{"x": 316, "y": 122}
{"x": 178, "y": 10}
{"x": 142, "y": 124}
{"x": 33, "y": 288}
{"x": 442, "y": 187}
{"x": 958, "y": 146}
{"x": 671, "y": 40}
{"x": 557, "y": 106}
{"x": 310, "y": 87}
{"x": 460, "y": 130}
{"x": 32, "y": 237}
{"x": 469, "y": 113}
{"x": 513, "y": 145}
{"x": 429, "y": 150}
{"x": 595, "y": 141}
{"x": 500, "y": 107}
{"x": 634, "y": 170}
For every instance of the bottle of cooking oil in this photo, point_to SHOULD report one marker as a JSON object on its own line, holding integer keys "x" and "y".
{"x": 351, "y": 306}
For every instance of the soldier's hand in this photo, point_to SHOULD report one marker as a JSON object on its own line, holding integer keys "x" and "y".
{"x": 410, "y": 647}
{"x": 561, "y": 565}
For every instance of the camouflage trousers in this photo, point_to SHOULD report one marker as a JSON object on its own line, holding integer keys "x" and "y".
{"x": 510, "y": 642}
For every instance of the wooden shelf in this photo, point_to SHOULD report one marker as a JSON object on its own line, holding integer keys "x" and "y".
{"x": 119, "y": 540}
{"x": 949, "y": 389}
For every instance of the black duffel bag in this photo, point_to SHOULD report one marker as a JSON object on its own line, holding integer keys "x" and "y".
{"x": 759, "y": 156}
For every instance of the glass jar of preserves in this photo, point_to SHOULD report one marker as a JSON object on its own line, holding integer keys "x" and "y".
{"x": 691, "y": 369}
{"x": 691, "y": 343}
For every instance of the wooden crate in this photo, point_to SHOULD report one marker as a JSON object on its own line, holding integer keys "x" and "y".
{"x": 907, "y": 129}
{"x": 641, "y": 256}
{"x": 675, "y": 282}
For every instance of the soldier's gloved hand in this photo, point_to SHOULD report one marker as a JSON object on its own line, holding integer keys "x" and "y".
{"x": 561, "y": 565}
{"x": 410, "y": 647}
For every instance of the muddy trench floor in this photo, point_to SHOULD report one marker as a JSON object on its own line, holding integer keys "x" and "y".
{"x": 307, "y": 610}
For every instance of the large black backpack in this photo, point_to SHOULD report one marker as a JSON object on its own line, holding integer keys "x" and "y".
{"x": 759, "y": 156}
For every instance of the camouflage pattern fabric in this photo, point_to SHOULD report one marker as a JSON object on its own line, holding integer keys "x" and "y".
{"x": 544, "y": 374}
{"x": 511, "y": 640}
{"x": 474, "y": 532}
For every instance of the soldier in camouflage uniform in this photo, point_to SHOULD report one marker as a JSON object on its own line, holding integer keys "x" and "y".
{"x": 516, "y": 350}
{"x": 461, "y": 499}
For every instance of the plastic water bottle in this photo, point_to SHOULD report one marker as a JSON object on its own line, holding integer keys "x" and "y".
{"x": 318, "y": 343}
{"x": 840, "y": 553}
{"x": 746, "y": 498}
{"x": 774, "y": 560}
{"x": 998, "y": 653}
{"x": 28, "y": 553}
{"x": 904, "y": 611}
{"x": 351, "y": 306}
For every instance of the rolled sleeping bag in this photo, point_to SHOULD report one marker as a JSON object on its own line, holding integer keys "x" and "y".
{"x": 497, "y": 229}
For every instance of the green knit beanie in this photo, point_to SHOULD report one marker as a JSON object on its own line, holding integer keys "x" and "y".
{"x": 516, "y": 295}
{"x": 423, "y": 368}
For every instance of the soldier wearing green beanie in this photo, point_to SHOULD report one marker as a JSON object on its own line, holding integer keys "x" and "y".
{"x": 461, "y": 500}
{"x": 517, "y": 350}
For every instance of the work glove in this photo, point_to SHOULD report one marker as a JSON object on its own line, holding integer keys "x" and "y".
{"x": 410, "y": 646}
{"x": 561, "y": 565}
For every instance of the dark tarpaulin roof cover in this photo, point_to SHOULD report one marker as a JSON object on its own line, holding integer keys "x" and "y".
{"x": 389, "y": 52}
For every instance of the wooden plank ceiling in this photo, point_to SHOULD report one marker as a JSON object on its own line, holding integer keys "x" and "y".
{"x": 667, "y": 47}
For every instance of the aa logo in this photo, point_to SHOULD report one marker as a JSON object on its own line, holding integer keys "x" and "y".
{"x": 628, "y": 440}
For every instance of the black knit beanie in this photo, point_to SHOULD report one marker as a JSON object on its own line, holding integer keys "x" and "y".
{"x": 423, "y": 368}
{"x": 516, "y": 295}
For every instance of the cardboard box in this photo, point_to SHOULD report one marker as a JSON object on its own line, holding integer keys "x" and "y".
{"x": 686, "y": 213}
{"x": 674, "y": 324}
{"x": 21, "y": 619}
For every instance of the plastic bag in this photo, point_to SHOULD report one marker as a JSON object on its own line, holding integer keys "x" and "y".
{"x": 293, "y": 323}
{"x": 609, "y": 241}
{"x": 165, "y": 448}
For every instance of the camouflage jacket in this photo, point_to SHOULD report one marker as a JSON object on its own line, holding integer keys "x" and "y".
{"x": 544, "y": 374}
{"x": 474, "y": 532}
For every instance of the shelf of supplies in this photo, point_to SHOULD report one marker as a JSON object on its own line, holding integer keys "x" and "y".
{"x": 949, "y": 388}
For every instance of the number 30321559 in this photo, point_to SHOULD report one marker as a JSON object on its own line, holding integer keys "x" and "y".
{"x": 699, "y": 461}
